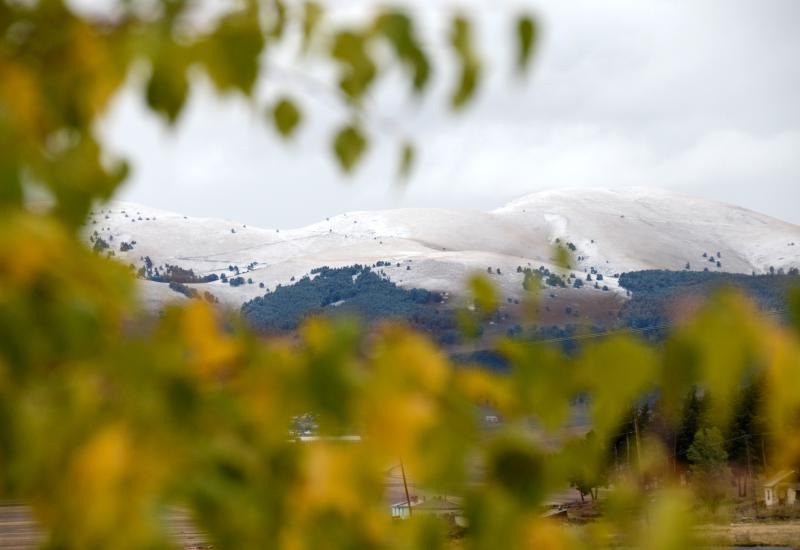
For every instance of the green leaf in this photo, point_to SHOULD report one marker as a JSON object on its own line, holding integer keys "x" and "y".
{"x": 484, "y": 293}
{"x": 615, "y": 373}
{"x": 168, "y": 87}
{"x": 561, "y": 256}
{"x": 398, "y": 30}
{"x": 461, "y": 42}
{"x": 231, "y": 54}
{"x": 286, "y": 117}
{"x": 538, "y": 377}
{"x": 794, "y": 305}
{"x": 358, "y": 69}
{"x": 516, "y": 467}
{"x": 408, "y": 155}
{"x": 312, "y": 15}
{"x": 468, "y": 324}
{"x": 279, "y": 23}
{"x": 81, "y": 175}
{"x": 349, "y": 146}
{"x": 10, "y": 184}
{"x": 527, "y": 35}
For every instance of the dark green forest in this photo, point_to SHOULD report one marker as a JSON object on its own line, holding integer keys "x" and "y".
{"x": 356, "y": 291}
{"x": 654, "y": 293}
{"x": 362, "y": 292}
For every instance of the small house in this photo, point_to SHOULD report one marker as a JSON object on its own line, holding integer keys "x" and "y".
{"x": 782, "y": 488}
{"x": 435, "y": 506}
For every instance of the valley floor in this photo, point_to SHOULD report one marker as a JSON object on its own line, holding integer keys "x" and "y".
{"x": 18, "y": 531}
{"x": 778, "y": 533}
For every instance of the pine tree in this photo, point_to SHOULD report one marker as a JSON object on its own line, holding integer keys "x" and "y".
{"x": 691, "y": 417}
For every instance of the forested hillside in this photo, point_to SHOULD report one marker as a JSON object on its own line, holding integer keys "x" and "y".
{"x": 355, "y": 290}
{"x": 659, "y": 296}
{"x": 657, "y": 299}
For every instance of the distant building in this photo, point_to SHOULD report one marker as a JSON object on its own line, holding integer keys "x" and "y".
{"x": 782, "y": 488}
{"x": 436, "y": 506}
{"x": 308, "y": 437}
{"x": 557, "y": 512}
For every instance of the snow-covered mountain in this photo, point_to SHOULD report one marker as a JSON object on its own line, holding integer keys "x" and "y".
{"x": 612, "y": 231}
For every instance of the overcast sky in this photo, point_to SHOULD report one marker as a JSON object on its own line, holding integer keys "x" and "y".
{"x": 700, "y": 96}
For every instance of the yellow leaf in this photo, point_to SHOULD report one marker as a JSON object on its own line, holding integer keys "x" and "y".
{"x": 483, "y": 292}
{"x": 211, "y": 350}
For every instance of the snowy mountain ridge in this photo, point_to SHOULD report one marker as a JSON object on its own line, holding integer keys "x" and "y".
{"x": 612, "y": 231}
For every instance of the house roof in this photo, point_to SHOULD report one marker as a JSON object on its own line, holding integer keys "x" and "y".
{"x": 780, "y": 476}
{"x": 432, "y": 503}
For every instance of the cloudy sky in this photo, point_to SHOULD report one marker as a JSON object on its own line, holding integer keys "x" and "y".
{"x": 701, "y": 97}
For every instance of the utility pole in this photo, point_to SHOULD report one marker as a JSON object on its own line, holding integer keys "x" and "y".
{"x": 675, "y": 453}
{"x": 405, "y": 486}
{"x": 636, "y": 431}
{"x": 750, "y": 475}
{"x": 749, "y": 462}
{"x": 628, "y": 448}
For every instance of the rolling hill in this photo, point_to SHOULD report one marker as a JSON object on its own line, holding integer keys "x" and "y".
{"x": 611, "y": 231}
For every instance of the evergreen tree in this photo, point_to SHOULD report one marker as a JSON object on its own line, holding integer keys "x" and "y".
{"x": 709, "y": 466}
{"x": 691, "y": 417}
{"x": 747, "y": 427}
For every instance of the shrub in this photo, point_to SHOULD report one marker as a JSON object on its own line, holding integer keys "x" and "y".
{"x": 99, "y": 245}
{"x": 183, "y": 289}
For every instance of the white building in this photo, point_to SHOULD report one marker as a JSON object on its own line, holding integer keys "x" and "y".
{"x": 782, "y": 488}
{"x": 435, "y": 505}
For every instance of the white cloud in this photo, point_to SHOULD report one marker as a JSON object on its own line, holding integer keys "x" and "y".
{"x": 695, "y": 96}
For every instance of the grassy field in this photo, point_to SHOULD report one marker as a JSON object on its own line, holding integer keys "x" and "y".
{"x": 778, "y": 533}
{"x": 20, "y": 531}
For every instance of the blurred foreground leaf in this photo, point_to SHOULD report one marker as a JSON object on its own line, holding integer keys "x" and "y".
{"x": 286, "y": 117}
{"x": 349, "y": 145}
{"x": 527, "y": 36}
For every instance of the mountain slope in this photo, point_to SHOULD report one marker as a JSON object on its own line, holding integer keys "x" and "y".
{"x": 612, "y": 231}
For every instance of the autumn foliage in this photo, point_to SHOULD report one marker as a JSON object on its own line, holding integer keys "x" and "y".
{"x": 109, "y": 416}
